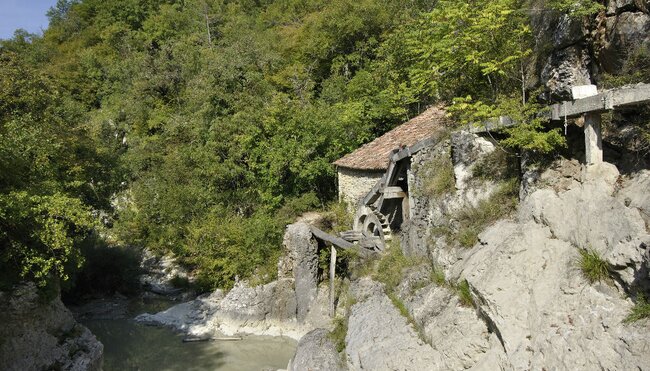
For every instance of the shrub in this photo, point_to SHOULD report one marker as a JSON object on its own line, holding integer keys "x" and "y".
{"x": 223, "y": 247}
{"x": 180, "y": 282}
{"x": 576, "y": 8}
{"x": 336, "y": 218}
{"x": 640, "y": 310}
{"x": 593, "y": 267}
{"x": 499, "y": 165}
{"x": 390, "y": 267}
{"x": 635, "y": 69}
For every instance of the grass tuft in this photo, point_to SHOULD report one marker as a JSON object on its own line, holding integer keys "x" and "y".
{"x": 593, "y": 267}
{"x": 438, "y": 276}
{"x": 640, "y": 310}
{"x": 464, "y": 294}
{"x": 472, "y": 220}
{"x": 390, "y": 267}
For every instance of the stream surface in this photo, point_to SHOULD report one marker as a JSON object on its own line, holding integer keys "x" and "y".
{"x": 133, "y": 346}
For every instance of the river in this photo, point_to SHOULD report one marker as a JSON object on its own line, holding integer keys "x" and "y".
{"x": 132, "y": 346}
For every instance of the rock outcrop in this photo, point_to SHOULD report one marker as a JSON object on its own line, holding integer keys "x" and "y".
{"x": 380, "y": 338}
{"x": 571, "y": 51}
{"x": 316, "y": 352}
{"x": 39, "y": 334}
{"x": 533, "y": 308}
{"x": 291, "y": 306}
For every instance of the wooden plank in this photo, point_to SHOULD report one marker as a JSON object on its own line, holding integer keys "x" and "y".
{"x": 410, "y": 151}
{"x": 372, "y": 196}
{"x": 393, "y": 192}
{"x": 337, "y": 241}
{"x": 370, "y": 243}
{"x": 332, "y": 274}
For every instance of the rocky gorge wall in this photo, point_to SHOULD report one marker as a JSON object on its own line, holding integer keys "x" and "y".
{"x": 39, "y": 334}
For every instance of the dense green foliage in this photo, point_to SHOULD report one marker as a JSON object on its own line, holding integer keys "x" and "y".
{"x": 202, "y": 126}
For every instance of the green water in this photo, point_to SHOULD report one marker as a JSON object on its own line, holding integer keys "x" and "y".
{"x": 132, "y": 346}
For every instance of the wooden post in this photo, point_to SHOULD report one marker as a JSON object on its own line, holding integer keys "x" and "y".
{"x": 593, "y": 139}
{"x": 332, "y": 275}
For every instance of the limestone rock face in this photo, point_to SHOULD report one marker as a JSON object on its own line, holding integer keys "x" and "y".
{"x": 265, "y": 310}
{"x": 456, "y": 332}
{"x": 316, "y": 352}
{"x": 35, "y": 335}
{"x": 564, "y": 69}
{"x": 466, "y": 150}
{"x": 290, "y": 306}
{"x": 634, "y": 193}
{"x": 380, "y": 338}
{"x": 159, "y": 273}
{"x": 533, "y": 308}
{"x": 624, "y": 32}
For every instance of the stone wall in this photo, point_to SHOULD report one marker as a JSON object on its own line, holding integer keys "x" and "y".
{"x": 355, "y": 184}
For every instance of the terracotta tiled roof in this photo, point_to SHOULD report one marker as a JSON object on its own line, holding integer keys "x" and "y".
{"x": 374, "y": 155}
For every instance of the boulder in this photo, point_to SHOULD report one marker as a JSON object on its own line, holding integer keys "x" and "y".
{"x": 564, "y": 69}
{"x": 380, "y": 338}
{"x": 316, "y": 352}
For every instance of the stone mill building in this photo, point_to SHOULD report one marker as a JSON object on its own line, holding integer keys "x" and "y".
{"x": 359, "y": 171}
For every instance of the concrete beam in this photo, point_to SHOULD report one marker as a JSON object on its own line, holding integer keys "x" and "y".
{"x": 607, "y": 100}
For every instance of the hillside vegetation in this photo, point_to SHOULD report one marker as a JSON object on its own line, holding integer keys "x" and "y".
{"x": 200, "y": 127}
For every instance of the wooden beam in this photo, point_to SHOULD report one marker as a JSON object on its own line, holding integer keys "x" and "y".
{"x": 351, "y": 236}
{"x": 492, "y": 125}
{"x": 410, "y": 151}
{"x": 374, "y": 194}
{"x": 337, "y": 241}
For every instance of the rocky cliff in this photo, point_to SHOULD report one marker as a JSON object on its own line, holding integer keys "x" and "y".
{"x": 39, "y": 334}
{"x": 529, "y": 304}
